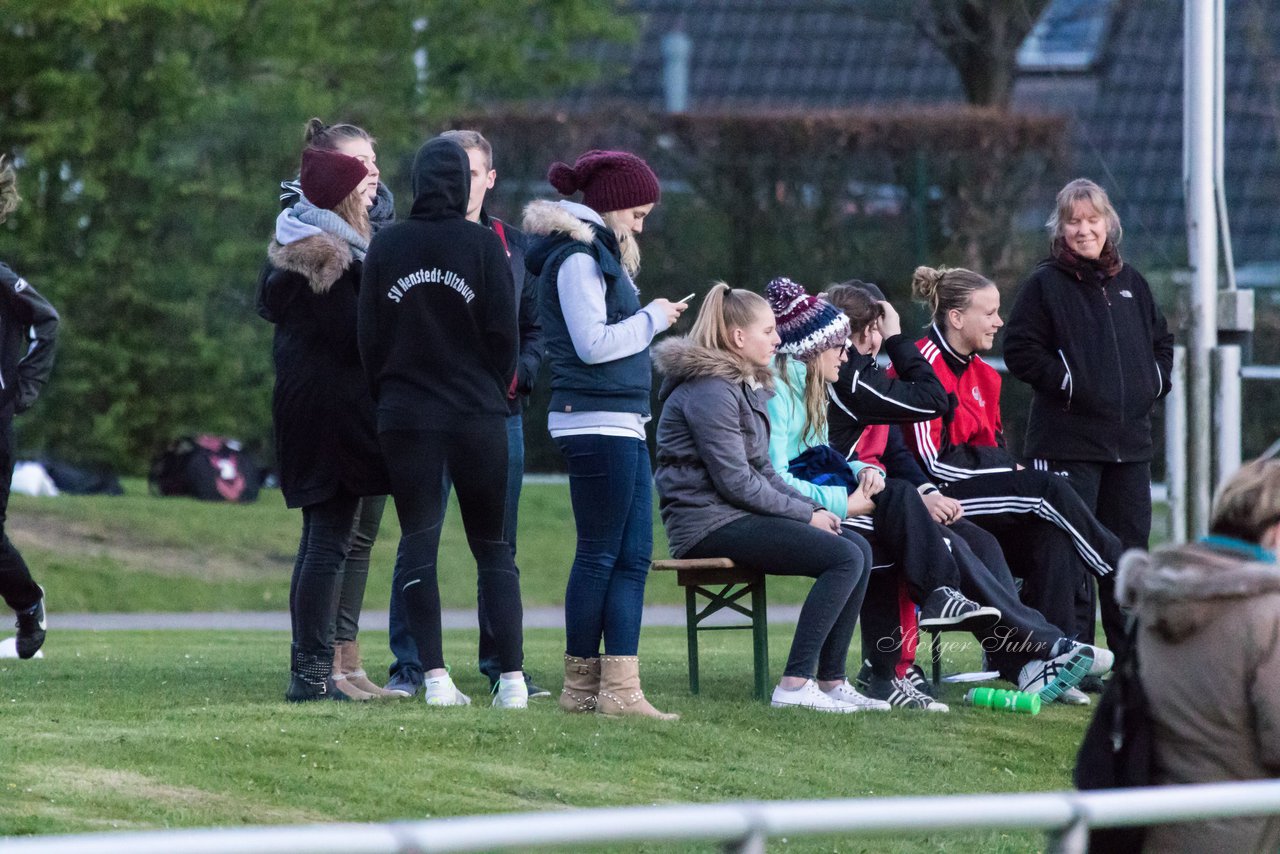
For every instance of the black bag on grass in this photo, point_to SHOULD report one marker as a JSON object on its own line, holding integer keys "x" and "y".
{"x": 1118, "y": 750}
{"x": 211, "y": 468}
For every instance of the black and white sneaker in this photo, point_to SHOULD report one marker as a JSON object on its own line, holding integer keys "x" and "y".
{"x": 901, "y": 693}
{"x": 948, "y": 608}
{"x": 31, "y": 629}
{"x": 1050, "y": 679}
{"x": 862, "y": 681}
{"x": 915, "y": 674}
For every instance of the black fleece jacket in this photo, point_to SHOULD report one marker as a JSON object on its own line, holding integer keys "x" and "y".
{"x": 437, "y": 309}
{"x": 1098, "y": 354}
{"x": 28, "y": 338}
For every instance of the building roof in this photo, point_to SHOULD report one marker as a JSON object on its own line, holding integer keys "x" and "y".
{"x": 1126, "y": 108}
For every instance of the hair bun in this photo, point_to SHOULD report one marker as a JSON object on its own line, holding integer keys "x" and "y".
{"x": 563, "y": 178}
{"x": 782, "y": 292}
{"x": 924, "y": 282}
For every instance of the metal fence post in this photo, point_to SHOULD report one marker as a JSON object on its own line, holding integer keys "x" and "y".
{"x": 1175, "y": 446}
{"x": 1226, "y": 411}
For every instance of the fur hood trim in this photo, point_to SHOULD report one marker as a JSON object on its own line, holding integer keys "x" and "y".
{"x": 1178, "y": 589}
{"x": 681, "y": 360}
{"x": 321, "y": 259}
{"x": 542, "y": 217}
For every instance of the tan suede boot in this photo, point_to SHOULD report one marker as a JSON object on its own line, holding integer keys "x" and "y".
{"x": 353, "y": 669}
{"x": 340, "y": 681}
{"x": 620, "y": 692}
{"x": 581, "y": 684}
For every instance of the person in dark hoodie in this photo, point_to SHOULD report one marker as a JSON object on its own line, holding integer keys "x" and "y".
{"x": 1087, "y": 335}
{"x": 406, "y": 670}
{"x": 349, "y": 676}
{"x": 28, "y": 338}
{"x": 326, "y": 444}
{"x": 438, "y": 338}
{"x": 597, "y": 337}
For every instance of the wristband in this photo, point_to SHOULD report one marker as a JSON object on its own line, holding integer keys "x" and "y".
{"x": 927, "y": 489}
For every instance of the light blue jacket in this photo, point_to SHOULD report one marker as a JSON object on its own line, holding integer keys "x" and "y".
{"x": 786, "y": 421}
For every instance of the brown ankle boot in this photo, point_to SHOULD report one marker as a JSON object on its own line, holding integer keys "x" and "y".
{"x": 620, "y": 692}
{"x": 340, "y": 681}
{"x": 581, "y": 684}
{"x": 353, "y": 669}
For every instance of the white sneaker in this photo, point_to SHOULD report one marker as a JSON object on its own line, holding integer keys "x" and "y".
{"x": 511, "y": 694}
{"x": 847, "y": 694}
{"x": 1103, "y": 659}
{"x": 1074, "y": 697}
{"x": 808, "y": 696}
{"x": 440, "y": 691}
{"x": 1051, "y": 678}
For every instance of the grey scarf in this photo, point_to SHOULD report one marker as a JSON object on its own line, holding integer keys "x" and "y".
{"x": 328, "y": 221}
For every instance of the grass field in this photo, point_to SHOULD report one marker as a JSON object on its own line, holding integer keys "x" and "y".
{"x": 138, "y": 552}
{"x": 132, "y": 730}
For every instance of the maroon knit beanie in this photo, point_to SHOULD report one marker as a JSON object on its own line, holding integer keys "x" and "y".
{"x": 609, "y": 180}
{"x": 328, "y": 176}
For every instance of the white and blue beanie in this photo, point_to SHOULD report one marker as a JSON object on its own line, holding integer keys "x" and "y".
{"x": 807, "y": 324}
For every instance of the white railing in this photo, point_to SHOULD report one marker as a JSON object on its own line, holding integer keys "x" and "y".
{"x": 741, "y": 827}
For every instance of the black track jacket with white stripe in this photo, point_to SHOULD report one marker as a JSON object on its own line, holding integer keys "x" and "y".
{"x": 865, "y": 394}
{"x": 1098, "y": 354}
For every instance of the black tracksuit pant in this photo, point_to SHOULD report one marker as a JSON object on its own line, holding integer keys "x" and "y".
{"x": 1021, "y": 635}
{"x": 1119, "y": 494}
{"x": 476, "y": 459}
{"x": 17, "y": 587}
{"x": 1048, "y": 536}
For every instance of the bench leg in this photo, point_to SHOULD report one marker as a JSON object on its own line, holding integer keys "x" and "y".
{"x": 936, "y": 652}
{"x": 760, "y": 640}
{"x": 691, "y": 626}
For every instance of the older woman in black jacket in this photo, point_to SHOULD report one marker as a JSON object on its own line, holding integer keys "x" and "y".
{"x": 1086, "y": 334}
{"x": 326, "y": 442}
{"x": 720, "y": 497}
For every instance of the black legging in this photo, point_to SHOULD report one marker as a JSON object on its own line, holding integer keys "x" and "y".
{"x": 476, "y": 460}
{"x": 326, "y": 529}
{"x": 839, "y": 565}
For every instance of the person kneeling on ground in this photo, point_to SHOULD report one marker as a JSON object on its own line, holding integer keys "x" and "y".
{"x": 720, "y": 497}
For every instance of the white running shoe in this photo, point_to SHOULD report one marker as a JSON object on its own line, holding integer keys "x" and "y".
{"x": 511, "y": 694}
{"x": 808, "y": 696}
{"x": 846, "y": 693}
{"x": 1051, "y": 678}
{"x": 440, "y": 691}
{"x": 1074, "y": 697}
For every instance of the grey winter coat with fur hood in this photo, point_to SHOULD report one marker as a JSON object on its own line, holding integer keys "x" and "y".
{"x": 713, "y": 445}
{"x": 323, "y": 412}
{"x": 1209, "y": 660}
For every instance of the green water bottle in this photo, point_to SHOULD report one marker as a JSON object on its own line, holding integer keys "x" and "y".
{"x": 1005, "y": 701}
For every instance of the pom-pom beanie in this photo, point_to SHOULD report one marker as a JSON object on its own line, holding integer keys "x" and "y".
{"x": 807, "y": 324}
{"x": 609, "y": 180}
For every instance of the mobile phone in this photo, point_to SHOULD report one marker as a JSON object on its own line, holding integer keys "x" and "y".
{"x": 687, "y": 298}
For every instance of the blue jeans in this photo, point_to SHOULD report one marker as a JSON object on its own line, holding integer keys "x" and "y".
{"x": 402, "y": 645}
{"x": 611, "y": 488}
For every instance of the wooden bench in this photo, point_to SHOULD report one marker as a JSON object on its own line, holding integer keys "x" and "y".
{"x": 699, "y": 577}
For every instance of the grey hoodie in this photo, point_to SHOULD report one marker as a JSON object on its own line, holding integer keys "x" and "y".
{"x": 1209, "y": 660}
{"x": 713, "y": 445}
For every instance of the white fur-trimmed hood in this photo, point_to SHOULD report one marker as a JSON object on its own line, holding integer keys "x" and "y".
{"x": 680, "y": 360}
{"x": 542, "y": 217}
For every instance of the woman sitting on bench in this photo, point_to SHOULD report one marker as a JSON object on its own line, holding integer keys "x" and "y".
{"x": 721, "y": 498}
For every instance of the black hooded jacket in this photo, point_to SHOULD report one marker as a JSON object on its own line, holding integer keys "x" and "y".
{"x": 437, "y": 309}
{"x": 28, "y": 338}
{"x": 1098, "y": 354}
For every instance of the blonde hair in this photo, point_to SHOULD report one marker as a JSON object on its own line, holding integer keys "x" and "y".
{"x": 317, "y": 134}
{"x": 724, "y": 309}
{"x": 946, "y": 288}
{"x": 1084, "y": 190}
{"x": 814, "y": 396}
{"x": 472, "y": 140}
{"x": 9, "y": 197}
{"x": 1249, "y": 502}
{"x": 355, "y": 210}
{"x": 628, "y": 247}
